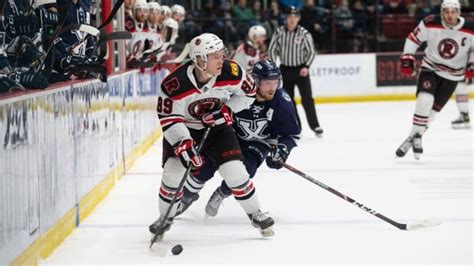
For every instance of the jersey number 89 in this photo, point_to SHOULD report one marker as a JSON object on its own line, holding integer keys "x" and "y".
{"x": 164, "y": 105}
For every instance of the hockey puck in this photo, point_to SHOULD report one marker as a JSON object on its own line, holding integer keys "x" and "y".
{"x": 176, "y": 250}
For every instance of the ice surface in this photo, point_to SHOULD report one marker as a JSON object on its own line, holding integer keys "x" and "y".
{"x": 356, "y": 156}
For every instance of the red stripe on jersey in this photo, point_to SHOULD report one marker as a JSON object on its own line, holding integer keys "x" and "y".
{"x": 226, "y": 83}
{"x": 468, "y": 31}
{"x": 169, "y": 120}
{"x": 413, "y": 38}
{"x": 185, "y": 94}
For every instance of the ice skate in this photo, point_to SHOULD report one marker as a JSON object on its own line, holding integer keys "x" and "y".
{"x": 186, "y": 203}
{"x": 417, "y": 147}
{"x": 215, "y": 201}
{"x": 318, "y": 131}
{"x": 262, "y": 222}
{"x": 403, "y": 149}
{"x": 462, "y": 122}
{"x": 157, "y": 230}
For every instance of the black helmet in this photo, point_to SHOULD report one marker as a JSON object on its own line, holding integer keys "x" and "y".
{"x": 265, "y": 69}
{"x": 292, "y": 10}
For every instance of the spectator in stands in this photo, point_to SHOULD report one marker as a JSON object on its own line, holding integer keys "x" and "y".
{"x": 345, "y": 25}
{"x": 231, "y": 34}
{"x": 244, "y": 17}
{"x": 209, "y": 18}
{"x": 315, "y": 20}
{"x": 394, "y": 7}
{"x": 273, "y": 18}
{"x": 422, "y": 10}
{"x": 257, "y": 11}
{"x": 360, "y": 27}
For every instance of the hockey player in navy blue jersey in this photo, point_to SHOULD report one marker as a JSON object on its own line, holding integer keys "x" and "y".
{"x": 70, "y": 50}
{"x": 267, "y": 131}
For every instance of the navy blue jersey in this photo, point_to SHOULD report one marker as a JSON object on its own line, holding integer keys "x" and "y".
{"x": 265, "y": 121}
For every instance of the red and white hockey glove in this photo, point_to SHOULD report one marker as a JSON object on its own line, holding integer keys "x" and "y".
{"x": 408, "y": 64}
{"x": 187, "y": 153}
{"x": 469, "y": 73}
{"x": 219, "y": 117}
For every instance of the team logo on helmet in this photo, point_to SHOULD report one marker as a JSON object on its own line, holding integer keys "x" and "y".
{"x": 203, "y": 106}
{"x": 448, "y": 48}
{"x": 197, "y": 41}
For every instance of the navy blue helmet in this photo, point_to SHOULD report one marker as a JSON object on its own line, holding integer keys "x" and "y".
{"x": 265, "y": 69}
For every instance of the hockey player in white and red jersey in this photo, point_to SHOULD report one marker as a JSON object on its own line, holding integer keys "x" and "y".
{"x": 199, "y": 94}
{"x": 449, "y": 59}
{"x": 139, "y": 29}
{"x": 253, "y": 50}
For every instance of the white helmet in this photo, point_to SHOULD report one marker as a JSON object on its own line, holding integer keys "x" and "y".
{"x": 451, "y": 4}
{"x": 256, "y": 31}
{"x": 178, "y": 9}
{"x": 203, "y": 45}
{"x": 140, "y": 4}
{"x": 152, "y": 6}
{"x": 166, "y": 11}
{"x": 169, "y": 22}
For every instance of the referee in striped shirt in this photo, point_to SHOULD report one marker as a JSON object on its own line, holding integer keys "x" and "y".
{"x": 294, "y": 46}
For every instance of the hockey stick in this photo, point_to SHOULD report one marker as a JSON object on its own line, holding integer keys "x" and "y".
{"x": 112, "y": 14}
{"x": 181, "y": 56}
{"x": 401, "y": 226}
{"x": 180, "y": 187}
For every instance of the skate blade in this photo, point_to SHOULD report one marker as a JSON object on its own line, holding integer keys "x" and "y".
{"x": 267, "y": 232}
{"x": 417, "y": 156}
{"x": 461, "y": 126}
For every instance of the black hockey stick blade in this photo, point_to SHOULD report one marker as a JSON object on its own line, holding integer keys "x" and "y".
{"x": 180, "y": 186}
{"x": 411, "y": 226}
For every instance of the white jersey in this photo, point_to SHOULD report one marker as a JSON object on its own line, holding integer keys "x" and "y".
{"x": 136, "y": 45}
{"x": 181, "y": 103}
{"x": 448, "y": 50}
{"x": 247, "y": 55}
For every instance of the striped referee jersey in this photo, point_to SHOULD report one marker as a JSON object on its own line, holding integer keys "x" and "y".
{"x": 295, "y": 48}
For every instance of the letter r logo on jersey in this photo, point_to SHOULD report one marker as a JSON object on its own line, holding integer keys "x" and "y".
{"x": 171, "y": 85}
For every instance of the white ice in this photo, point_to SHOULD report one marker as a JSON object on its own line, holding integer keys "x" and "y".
{"x": 356, "y": 156}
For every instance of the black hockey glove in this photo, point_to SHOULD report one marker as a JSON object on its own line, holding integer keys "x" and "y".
{"x": 30, "y": 79}
{"x": 71, "y": 61}
{"x": 8, "y": 85}
{"x": 279, "y": 154}
{"x": 187, "y": 153}
{"x": 23, "y": 25}
{"x": 27, "y": 54}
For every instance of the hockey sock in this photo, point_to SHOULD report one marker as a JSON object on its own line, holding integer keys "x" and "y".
{"x": 166, "y": 195}
{"x": 462, "y": 97}
{"x": 236, "y": 177}
{"x": 193, "y": 185}
{"x": 431, "y": 118}
{"x": 424, "y": 103}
